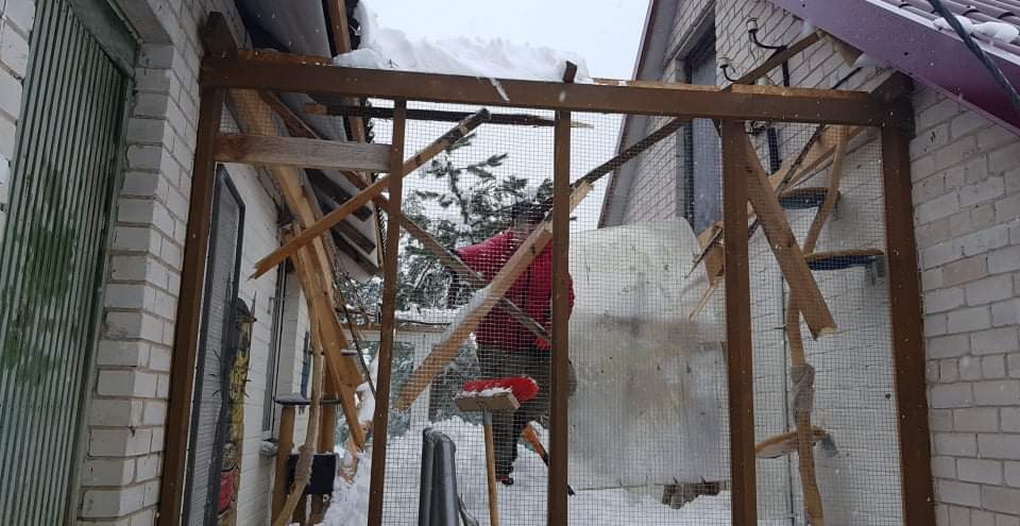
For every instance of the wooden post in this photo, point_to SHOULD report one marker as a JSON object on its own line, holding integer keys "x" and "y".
{"x": 739, "y": 364}
{"x": 490, "y": 471}
{"x": 327, "y": 442}
{"x": 284, "y": 445}
{"x": 380, "y": 420}
{"x": 908, "y": 336}
{"x": 557, "y": 510}
{"x": 189, "y": 311}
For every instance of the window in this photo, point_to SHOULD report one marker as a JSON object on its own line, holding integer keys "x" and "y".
{"x": 701, "y": 153}
{"x": 275, "y": 342}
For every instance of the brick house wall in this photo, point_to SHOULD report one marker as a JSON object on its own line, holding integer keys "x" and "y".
{"x": 125, "y": 414}
{"x": 966, "y": 175}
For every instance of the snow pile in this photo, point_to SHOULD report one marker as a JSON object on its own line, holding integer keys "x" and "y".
{"x": 385, "y": 48}
{"x": 994, "y": 31}
{"x": 522, "y": 503}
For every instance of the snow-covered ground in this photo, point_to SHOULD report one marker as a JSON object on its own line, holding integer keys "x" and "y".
{"x": 522, "y": 503}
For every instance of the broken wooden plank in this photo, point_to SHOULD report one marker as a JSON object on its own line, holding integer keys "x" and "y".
{"x": 829, "y": 204}
{"x": 373, "y": 190}
{"x": 785, "y": 247}
{"x": 445, "y": 351}
{"x": 260, "y": 150}
{"x": 337, "y": 193}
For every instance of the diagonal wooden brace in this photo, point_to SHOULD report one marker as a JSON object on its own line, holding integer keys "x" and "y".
{"x": 784, "y": 246}
{"x": 315, "y": 230}
{"x": 446, "y": 351}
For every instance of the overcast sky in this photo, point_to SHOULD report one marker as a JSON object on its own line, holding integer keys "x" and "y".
{"x": 605, "y": 33}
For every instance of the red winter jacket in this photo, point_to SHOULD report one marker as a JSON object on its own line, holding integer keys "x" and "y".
{"x": 532, "y": 292}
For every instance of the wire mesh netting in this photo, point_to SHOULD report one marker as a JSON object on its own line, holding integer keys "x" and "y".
{"x": 649, "y": 417}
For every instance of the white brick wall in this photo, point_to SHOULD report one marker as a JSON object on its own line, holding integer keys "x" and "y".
{"x": 16, "y": 20}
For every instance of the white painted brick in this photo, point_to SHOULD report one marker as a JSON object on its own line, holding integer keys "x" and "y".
{"x": 960, "y": 493}
{"x": 985, "y": 240}
{"x": 108, "y": 471}
{"x": 142, "y": 157}
{"x": 1010, "y": 417}
{"x": 145, "y": 517}
{"x": 982, "y": 518}
{"x": 21, "y": 13}
{"x": 146, "y": 131}
{"x": 156, "y": 444}
{"x": 1006, "y": 312}
{"x": 984, "y": 191}
{"x": 1013, "y": 364}
{"x": 121, "y": 442}
{"x": 935, "y": 325}
{"x": 14, "y": 50}
{"x": 155, "y": 413}
{"x": 993, "y": 367}
{"x": 113, "y": 503}
{"x": 940, "y": 419}
{"x": 8, "y": 136}
{"x": 115, "y": 412}
{"x": 153, "y": 80}
{"x": 121, "y": 325}
{"x": 1005, "y": 158}
{"x": 949, "y": 371}
{"x": 148, "y": 467}
{"x": 10, "y": 94}
{"x": 937, "y": 208}
{"x": 970, "y": 368}
{"x": 162, "y": 386}
{"x": 951, "y": 395}
{"x": 126, "y": 383}
{"x": 1012, "y": 473}
{"x": 159, "y": 359}
{"x": 1001, "y": 499}
{"x": 1001, "y": 340}
{"x": 948, "y": 346}
{"x": 131, "y": 353}
{"x": 1004, "y": 520}
{"x": 958, "y": 516}
{"x": 135, "y": 239}
{"x": 999, "y": 446}
{"x": 989, "y": 290}
{"x": 997, "y": 392}
{"x": 941, "y": 254}
{"x": 976, "y": 419}
{"x": 965, "y": 270}
{"x": 970, "y": 319}
{"x": 141, "y": 184}
{"x": 943, "y": 467}
{"x": 1007, "y": 209}
{"x": 129, "y": 296}
{"x": 980, "y": 471}
{"x": 943, "y": 300}
{"x": 965, "y": 123}
{"x": 1004, "y": 260}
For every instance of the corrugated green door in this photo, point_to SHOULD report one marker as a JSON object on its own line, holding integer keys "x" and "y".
{"x": 52, "y": 257}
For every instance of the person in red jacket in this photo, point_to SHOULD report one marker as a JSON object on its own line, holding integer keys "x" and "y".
{"x": 507, "y": 348}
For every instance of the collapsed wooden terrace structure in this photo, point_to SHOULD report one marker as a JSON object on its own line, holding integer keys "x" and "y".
{"x": 250, "y": 82}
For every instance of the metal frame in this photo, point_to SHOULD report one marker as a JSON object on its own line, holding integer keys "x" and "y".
{"x": 732, "y": 106}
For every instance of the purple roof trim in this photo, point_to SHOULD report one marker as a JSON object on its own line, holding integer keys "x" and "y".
{"x": 911, "y": 44}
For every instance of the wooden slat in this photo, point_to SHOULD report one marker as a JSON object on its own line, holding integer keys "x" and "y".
{"x": 738, "y": 347}
{"x": 784, "y": 246}
{"x": 337, "y": 193}
{"x": 512, "y": 119}
{"x": 907, "y": 331}
{"x": 445, "y": 351}
{"x": 380, "y": 420}
{"x": 740, "y": 102}
{"x": 831, "y": 196}
{"x": 301, "y": 153}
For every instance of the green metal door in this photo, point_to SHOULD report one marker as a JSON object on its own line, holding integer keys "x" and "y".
{"x": 53, "y": 255}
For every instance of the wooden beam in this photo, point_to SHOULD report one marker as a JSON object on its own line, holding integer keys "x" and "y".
{"x": 445, "y": 351}
{"x": 301, "y": 153}
{"x": 338, "y": 25}
{"x": 189, "y": 309}
{"x": 739, "y": 102}
{"x": 739, "y": 346}
{"x": 380, "y": 420}
{"x": 907, "y": 331}
{"x": 784, "y": 245}
{"x": 373, "y": 190}
{"x": 512, "y": 119}
{"x": 559, "y": 432}
{"x": 829, "y": 204}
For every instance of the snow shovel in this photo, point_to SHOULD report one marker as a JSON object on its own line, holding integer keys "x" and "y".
{"x": 531, "y": 436}
{"x": 487, "y": 397}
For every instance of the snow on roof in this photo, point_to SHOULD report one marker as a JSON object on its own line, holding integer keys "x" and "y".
{"x": 385, "y": 48}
